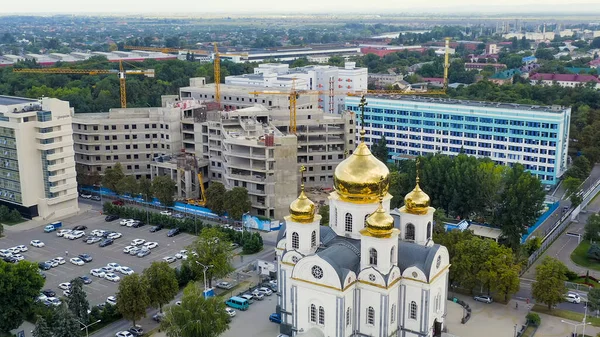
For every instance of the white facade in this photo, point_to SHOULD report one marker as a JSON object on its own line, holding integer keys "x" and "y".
{"x": 36, "y": 149}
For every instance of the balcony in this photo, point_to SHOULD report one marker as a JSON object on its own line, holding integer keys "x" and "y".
{"x": 247, "y": 177}
{"x": 63, "y": 176}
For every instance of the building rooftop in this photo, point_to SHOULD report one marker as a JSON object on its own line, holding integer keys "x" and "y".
{"x": 11, "y": 100}
{"x": 564, "y": 77}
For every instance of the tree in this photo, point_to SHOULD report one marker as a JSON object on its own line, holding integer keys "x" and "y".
{"x": 594, "y": 299}
{"x": 592, "y": 228}
{"x": 595, "y": 43}
{"x": 112, "y": 177}
{"x": 164, "y": 189}
{"x": 380, "y": 150}
{"x": 237, "y": 202}
{"x": 162, "y": 283}
{"x": 214, "y": 250}
{"x": 13, "y": 216}
{"x": 520, "y": 204}
{"x": 215, "y": 197}
{"x": 129, "y": 185}
{"x": 549, "y": 286}
{"x": 21, "y": 284}
{"x": 544, "y": 54}
{"x": 571, "y": 185}
{"x": 66, "y": 325}
{"x": 532, "y": 244}
{"x": 196, "y": 316}
{"x": 77, "y": 302}
{"x": 593, "y": 252}
{"x": 145, "y": 188}
{"x": 324, "y": 213}
{"x": 41, "y": 328}
{"x": 1, "y": 230}
{"x": 132, "y": 297}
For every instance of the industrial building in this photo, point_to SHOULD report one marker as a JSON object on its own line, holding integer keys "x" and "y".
{"x": 293, "y": 53}
{"x": 47, "y": 60}
{"x": 38, "y": 172}
{"x": 535, "y": 136}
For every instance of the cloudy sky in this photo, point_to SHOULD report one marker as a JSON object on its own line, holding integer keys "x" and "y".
{"x": 271, "y": 6}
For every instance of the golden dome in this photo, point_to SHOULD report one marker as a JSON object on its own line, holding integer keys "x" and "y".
{"x": 302, "y": 209}
{"x": 379, "y": 224}
{"x": 358, "y": 178}
{"x": 417, "y": 201}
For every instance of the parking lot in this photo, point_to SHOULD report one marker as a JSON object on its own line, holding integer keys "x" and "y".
{"x": 257, "y": 317}
{"x": 99, "y": 289}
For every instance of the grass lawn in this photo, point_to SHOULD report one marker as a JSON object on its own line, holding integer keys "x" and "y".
{"x": 579, "y": 256}
{"x": 566, "y": 314}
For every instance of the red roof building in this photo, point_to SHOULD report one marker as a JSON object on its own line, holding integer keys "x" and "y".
{"x": 564, "y": 80}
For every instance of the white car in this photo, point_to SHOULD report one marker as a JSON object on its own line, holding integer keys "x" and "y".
{"x": 67, "y": 293}
{"x": 5, "y": 253}
{"x": 42, "y": 297}
{"x": 54, "y": 301}
{"x": 37, "y": 243}
{"x": 23, "y": 248}
{"x": 112, "y": 277}
{"x": 112, "y": 300}
{"x": 123, "y": 334}
{"x": 113, "y": 265}
{"x": 98, "y": 273}
{"x": 75, "y": 235}
{"x": 85, "y": 195}
{"x": 166, "y": 213}
{"x": 14, "y": 250}
{"x": 19, "y": 257}
{"x": 125, "y": 270}
{"x": 137, "y": 242}
{"x": 62, "y": 232}
{"x": 77, "y": 261}
{"x": 169, "y": 259}
{"x": 59, "y": 260}
{"x": 181, "y": 254}
{"x": 151, "y": 245}
{"x": 98, "y": 232}
{"x": 230, "y": 312}
{"x": 266, "y": 291}
{"x": 114, "y": 235}
{"x": 124, "y": 222}
{"x": 107, "y": 269}
{"x": 65, "y": 285}
{"x": 52, "y": 263}
{"x": 127, "y": 249}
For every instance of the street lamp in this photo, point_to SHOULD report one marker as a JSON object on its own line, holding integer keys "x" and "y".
{"x": 87, "y": 326}
{"x": 205, "y": 269}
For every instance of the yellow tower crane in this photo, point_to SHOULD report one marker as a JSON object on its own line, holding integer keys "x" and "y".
{"x": 121, "y": 73}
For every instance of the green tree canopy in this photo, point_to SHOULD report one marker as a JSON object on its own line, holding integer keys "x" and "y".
{"x": 213, "y": 249}
{"x": 20, "y": 285}
{"x": 162, "y": 283}
{"x": 324, "y": 213}
{"x": 215, "y": 197}
{"x": 549, "y": 286}
{"x": 164, "y": 189}
{"x": 41, "y": 328}
{"x": 129, "y": 185}
{"x": 132, "y": 297}
{"x": 380, "y": 150}
{"x": 237, "y": 202}
{"x": 66, "y": 324}
{"x": 77, "y": 302}
{"x": 592, "y": 228}
{"x": 112, "y": 177}
{"x": 145, "y": 188}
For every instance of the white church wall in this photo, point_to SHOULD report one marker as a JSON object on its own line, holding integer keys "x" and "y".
{"x": 412, "y": 293}
{"x": 339, "y": 208}
{"x": 369, "y": 299}
{"x": 309, "y": 294}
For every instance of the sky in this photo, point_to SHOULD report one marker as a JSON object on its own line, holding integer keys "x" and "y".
{"x": 306, "y": 6}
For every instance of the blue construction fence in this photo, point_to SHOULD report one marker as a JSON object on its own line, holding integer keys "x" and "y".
{"x": 540, "y": 221}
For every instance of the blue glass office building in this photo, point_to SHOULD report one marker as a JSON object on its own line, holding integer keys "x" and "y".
{"x": 535, "y": 136}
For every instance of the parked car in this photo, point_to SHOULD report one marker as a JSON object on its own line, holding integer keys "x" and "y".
{"x": 137, "y": 224}
{"x": 96, "y": 198}
{"x": 65, "y": 285}
{"x": 112, "y": 277}
{"x": 158, "y": 317}
{"x": 37, "y": 243}
{"x": 118, "y": 202}
{"x": 123, "y": 334}
{"x": 178, "y": 216}
{"x": 156, "y": 228}
{"x": 125, "y": 270}
{"x": 49, "y": 292}
{"x": 127, "y": 249}
{"x": 77, "y": 261}
{"x": 85, "y": 257}
{"x": 111, "y": 217}
{"x": 258, "y": 295}
{"x": 266, "y": 291}
{"x": 59, "y": 260}
{"x": 44, "y": 266}
{"x": 124, "y": 222}
{"x": 173, "y": 232}
{"x": 151, "y": 245}
{"x": 10, "y": 259}
{"x": 167, "y": 213}
{"x": 106, "y": 242}
{"x": 112, "y": 300}
{"x": 136, "y": 330}
{"x": 114, "y": 235}
{"x": 137, "y": 242}
{"x": 85, "y": 195}
{"x": 134, "y": 251}
{"x": 93, "y": 239}
{"x": 98, "y": 273}
{"x": 79, "y": 228}
{"x": 484, "y": 299}
{"x": 169, "y": 259}
{"x": 143, "y": 252}
{"x": 224, "y": 285}
{"x": 573, "y": 298}
{"x": 275, "y": 318}
{"x": 230, "y": 312}
{"x": 85, "y": 279}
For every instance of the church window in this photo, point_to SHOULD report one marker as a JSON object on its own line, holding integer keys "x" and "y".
{"x": 295, "y": 240}
{"x": 348, "y": 317}
{"x": 429, "y": 230}
{"x": 370, "y": 316}
{"x": 321, "y": 316}
{"x": 348, "y": 222}
{"x": 372, "y": 277}
{"x": 294, "y": 259}
{"x": 313, "y": 313}
{"x": 393, "y": 255}
{"x": 413, "y": 310}
{"x": 410, "y": 232}
{"x": 393, "y": 313}
{"x": 317, "y": 272}
{"x": 373, "y": 257}
{"x": 438, "y": 263}
{"x": 313, "y": 239}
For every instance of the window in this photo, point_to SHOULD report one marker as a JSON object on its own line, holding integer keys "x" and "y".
{"x": 410, "y": 232}
{"x": 439, "y": 261}
{"x": 317, "y": 272}
{"x": 348, "y": 222}
{"x": 295, "y": 241}
{"x": 429, "y": 230}
{"x": 313, "y": 239}
{"x": 321, "y": 316}
{"x": 413, "y": 310}
{"x": 372, "y": 256}
{"x": 313, "y": 313}
{"x": 371, "y": 316}
{"x": 393, "y": 313}
{"x": 393, "y": 255}
{"x": 348, "y": 317}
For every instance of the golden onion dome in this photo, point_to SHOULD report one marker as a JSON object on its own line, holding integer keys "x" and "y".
{"x": 379, "y": 224}
{"x": 417, "y": 201}
{"x": 302, "y": 209}
{"x": 358, "y": 178}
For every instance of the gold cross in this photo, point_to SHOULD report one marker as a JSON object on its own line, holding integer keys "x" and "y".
{"x": 302, "y": 169}
{"x": 418, "y": 164}
{"x": 361, "y": 105}
{"x": 381, "y": 185}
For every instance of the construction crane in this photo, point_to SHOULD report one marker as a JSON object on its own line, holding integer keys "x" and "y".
{"x": 121, "y": 73}
{"x": 202, "y": 200}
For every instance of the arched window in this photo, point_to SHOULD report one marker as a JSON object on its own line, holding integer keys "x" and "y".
{"x": 348, "y": 317}
{"x": 295, "y": 240}
{"x": 313, "y": 239}
{"x": 429, "y": 230}
{"x": 410, "y": 232}
{"x": 393, "y": 313}
{"x": 393, "y": 255}
{"x": 366, "y": 216}
{"x": 348, "y": 222}
{"x": 370, "y": 316}
{"x": 413, "y": 310}
{"x": 321, "y": 316}
{"x": 373, "y": 257}
{"x": 313, "y": 313}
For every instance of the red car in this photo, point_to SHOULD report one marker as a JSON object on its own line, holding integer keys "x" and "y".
{"x": 118, "y": 202}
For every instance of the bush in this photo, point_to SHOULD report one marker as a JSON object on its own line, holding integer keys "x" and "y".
{"x": 594, "y": 252}
{"x": 533, "y": 319}
{"x": 571, "y": 275}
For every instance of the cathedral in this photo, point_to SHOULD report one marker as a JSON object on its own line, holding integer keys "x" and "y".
{"x": 361, "y": 275}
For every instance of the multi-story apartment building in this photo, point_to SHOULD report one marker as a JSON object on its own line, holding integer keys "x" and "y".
{"x": 132, "y": 137}
{"x": 535, "y": 136}
{"x": 36, "y": 151}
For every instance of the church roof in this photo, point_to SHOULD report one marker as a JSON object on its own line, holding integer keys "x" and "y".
{"x": 343, "y": 255}
{"x": 413, "y": 255}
